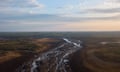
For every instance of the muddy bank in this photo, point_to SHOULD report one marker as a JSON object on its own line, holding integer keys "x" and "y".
{"x": 76, "y": 62}
{"x": 13, "y": 64}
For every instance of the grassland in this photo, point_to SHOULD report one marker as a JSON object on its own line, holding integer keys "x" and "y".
{"x": 97, "y": 57}
{"x": 15, "y": 52}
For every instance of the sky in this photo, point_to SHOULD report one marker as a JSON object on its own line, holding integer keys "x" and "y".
{"x": 59, "y": 15}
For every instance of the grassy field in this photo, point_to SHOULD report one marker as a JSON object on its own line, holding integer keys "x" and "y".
{"x": 15, "y": 52}
{"x": 97, "y": 57}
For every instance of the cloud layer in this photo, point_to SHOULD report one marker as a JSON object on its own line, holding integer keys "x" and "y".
{"x": 20, "y": 3}
{"x": 39, "y": 15}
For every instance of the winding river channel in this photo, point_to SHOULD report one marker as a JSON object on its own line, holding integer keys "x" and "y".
{"x": 57, "y": 59}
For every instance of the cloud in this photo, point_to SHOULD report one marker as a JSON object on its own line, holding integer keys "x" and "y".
{"x": 28, "y": 25}
{"x": 37, "y": 4}
{"x": 110, "y": 10}
{"x": 21, "y": 3}
{"x": 104, "y": 9}
{"x": 48, "y": 19}
{"x": 113, "y": 1}
{"x": 32, "y": 17}
{"x": 18, "y": 7}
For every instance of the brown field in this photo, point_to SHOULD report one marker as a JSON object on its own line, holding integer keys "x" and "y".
{"x": 96, "y": 57}
{"x": 14, "y": 53}
{"x": 45, "y": 44}
{"x": 8, "y": 56}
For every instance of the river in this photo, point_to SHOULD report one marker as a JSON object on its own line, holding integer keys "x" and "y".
{"x": 57, "y": 59}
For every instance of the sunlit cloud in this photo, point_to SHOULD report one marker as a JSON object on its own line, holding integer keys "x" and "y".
{"x": 69, "y": 15}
